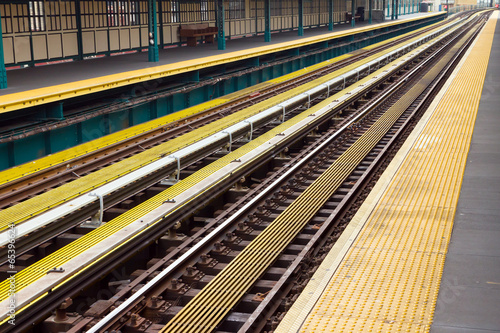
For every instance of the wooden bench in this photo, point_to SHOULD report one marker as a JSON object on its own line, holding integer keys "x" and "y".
{"x": 193, "y": 31}
{"x": 348, "y": 17}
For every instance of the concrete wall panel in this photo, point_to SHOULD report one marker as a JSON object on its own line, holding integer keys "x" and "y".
{"x": 55, "y": 46}
{"x": 88, "y": 41}
{"x": 70, "y": 44}
{"x": 39, "y": 47}
{"x": 8, "y": 50}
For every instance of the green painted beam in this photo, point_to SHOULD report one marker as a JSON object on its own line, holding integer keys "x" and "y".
{"x": 55, "y": 111}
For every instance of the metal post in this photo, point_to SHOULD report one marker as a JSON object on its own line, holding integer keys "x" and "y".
{"x": 393, "y": 4}
{"x": 447, "y": 8}
{"x": 79, "y": 38}
{"x": 267, "y": 19}
{"x": 396, "y": 9}
{"x": 221, "y": 35}
{"x": 330, "y": 15}
{"x": 3, "y": 72}
{"x": 353, "y": 8}
{"x": 97, "y": 218}
{"x": 370, "y": 5}
{"x": 152, "y": 27}
{"x": 301, "y": 18}
{"x": 160, "y": 15}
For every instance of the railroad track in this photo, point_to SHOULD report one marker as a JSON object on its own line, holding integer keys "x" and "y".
{"x": 205, "y": 311}
{"x": 232, "y": 243}
{"x": 51, "y": 230}
{"x": 25, "y": 187}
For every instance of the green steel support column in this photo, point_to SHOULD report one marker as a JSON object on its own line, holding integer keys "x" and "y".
{"x": 370, "y": 5}
{"x": 79, "y": 40}
{"x": 152, "y": 27}
{"x": 330, "y": 15}
{"x": 267, "y": 19}
{"x": 301, "y": 18}
{"x": 353, "y": 13}
{"x": 412, "y": 6}
{"x": 3, "y": 72}
{"x": 398, "y": 9}
{"x": 221, "y": 35}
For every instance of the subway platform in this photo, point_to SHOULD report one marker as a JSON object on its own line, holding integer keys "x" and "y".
{"x": 422, "y": 253}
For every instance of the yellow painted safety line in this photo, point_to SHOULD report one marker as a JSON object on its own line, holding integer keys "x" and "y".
{"x": 66, "y": 156}
{"x": 50, "y": 199}
{"x": 390, "y": 277}
{"x": 40, "y": 96}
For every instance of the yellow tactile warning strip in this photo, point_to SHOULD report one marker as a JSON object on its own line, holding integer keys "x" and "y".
{"x": 34, "y": 97}
{"x": 50, "y": 199}
{"x": 68, "y": 155}
{"x": 389, "y": 278}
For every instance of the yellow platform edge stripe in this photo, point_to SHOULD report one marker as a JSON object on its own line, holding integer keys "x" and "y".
{"x": 16, "y": 101}
{"x": 365, "y": 293}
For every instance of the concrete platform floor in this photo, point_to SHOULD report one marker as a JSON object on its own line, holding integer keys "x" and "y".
{"x": 469, "y": 296}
